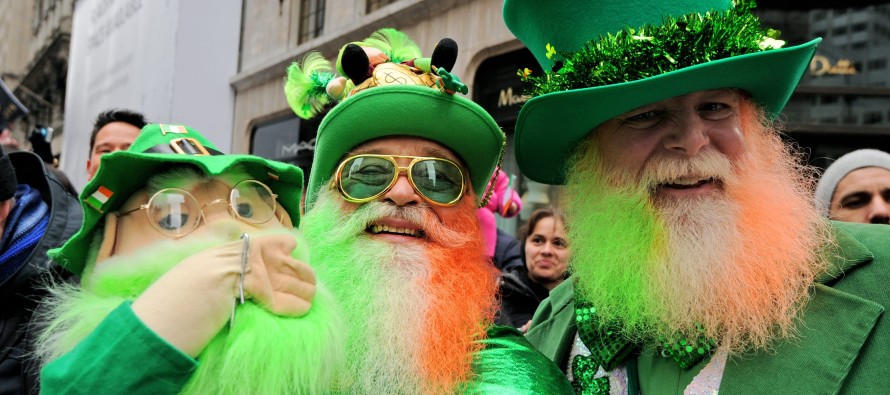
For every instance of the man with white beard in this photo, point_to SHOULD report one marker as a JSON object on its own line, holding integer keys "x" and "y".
{"x": 399, "y": 167}
{"x": 176, "y": 235}
{"x": 699, "y": 261}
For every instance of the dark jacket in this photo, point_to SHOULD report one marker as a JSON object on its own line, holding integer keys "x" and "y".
{"x": 507, "y": 252}
{"x": 520, "y": 297}
{"x": 19, "y": 294}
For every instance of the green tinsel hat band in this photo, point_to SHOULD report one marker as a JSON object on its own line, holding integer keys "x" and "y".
{"x": 647, "y": 51}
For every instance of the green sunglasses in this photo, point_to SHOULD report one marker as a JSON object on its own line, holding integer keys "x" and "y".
{"x": 363, "y": 178}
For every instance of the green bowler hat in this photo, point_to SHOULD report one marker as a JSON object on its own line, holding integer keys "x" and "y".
{"x": 161, "y": 147}
{"x": 404, "y": 96}
{"x": 551, "y": 125}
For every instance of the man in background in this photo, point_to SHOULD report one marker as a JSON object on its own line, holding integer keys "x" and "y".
{"x": 114, "y": 130}
{"x": 856, "y": 188}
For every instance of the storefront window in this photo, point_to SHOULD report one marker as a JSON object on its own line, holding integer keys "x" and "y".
{"x": 287, "y": 139}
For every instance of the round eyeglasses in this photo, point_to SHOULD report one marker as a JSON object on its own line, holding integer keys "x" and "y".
{"x": 175, "y": 212}
{"x": 363, "y": 178}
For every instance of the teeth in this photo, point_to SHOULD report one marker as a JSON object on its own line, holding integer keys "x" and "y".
{"x": 687, "y": 181}
{"x": 391, "y": 229}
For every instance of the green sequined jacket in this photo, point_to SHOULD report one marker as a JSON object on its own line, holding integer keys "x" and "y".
{"x": 843, "y": 344}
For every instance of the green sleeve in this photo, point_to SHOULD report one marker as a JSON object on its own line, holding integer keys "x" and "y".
{"x": 120, "y": 356}
{"x": 510, "y": 365}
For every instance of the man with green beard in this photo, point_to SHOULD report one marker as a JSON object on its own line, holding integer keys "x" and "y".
{"x": 699, "y": 261}
{"x": 189, "y": 279}
{"x": 399, "y": 167}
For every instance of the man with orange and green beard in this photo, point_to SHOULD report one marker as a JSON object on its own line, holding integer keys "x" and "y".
{"x": 699, "y": 261}
{"x": 399, "y": 167}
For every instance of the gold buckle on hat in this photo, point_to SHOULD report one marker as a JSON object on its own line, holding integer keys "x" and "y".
{"x": 188, "y": 146}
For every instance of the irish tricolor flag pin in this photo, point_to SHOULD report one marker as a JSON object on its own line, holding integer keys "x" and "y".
{"x": 175, "y": 129}
{"x": 98, "y": 199}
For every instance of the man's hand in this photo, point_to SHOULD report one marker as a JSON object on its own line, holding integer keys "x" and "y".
{"x": 193, "y": 301}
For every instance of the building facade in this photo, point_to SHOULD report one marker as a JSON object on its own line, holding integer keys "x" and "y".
{"x": 34, "y": 62}
{"x": 842, "y": 104}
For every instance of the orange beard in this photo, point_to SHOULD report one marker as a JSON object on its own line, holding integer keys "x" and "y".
{"x": 739, "y": 265}
{"x": 462, "y": 285}
{"x": 414, "y": 311}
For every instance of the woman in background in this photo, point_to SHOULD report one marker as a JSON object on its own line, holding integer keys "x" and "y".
{"x": 546, "y": 254}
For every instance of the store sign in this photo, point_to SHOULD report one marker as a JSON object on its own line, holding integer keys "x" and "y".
{"x": 821, "y": 65}
{"x": 295, "y": 148}
{"x": 507, "y": 98}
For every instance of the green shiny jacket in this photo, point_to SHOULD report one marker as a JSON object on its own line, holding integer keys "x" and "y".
{"x": 843, "y": 344}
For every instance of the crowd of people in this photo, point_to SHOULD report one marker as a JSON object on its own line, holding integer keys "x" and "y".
{"x": 692, "y": 252}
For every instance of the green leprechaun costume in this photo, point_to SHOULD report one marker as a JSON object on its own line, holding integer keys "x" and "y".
{"x": 399, "y": 149}
{"x": 699, "y": 263}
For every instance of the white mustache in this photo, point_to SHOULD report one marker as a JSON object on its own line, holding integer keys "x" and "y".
{"x": 420, "y": 216}
{"x": 664, "y": 169}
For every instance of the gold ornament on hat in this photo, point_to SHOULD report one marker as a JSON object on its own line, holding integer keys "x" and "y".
{"x": 396, "y": 74}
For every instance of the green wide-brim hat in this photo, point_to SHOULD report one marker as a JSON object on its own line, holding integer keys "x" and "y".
{"x": 159, "y": 148}
{"x": 549, "y": 127}
{"x": 407, "y": 110}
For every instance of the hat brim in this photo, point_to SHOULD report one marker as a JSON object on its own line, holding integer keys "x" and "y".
{"x": 551, "y": 126}
{"x": 407, "y": 110}
{"x": 125, "y": 172}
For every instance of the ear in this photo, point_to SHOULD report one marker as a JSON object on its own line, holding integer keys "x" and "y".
{"x": 109, "y": 238}
{"x": 5, "y": 208}
{"x": 355, "y": 63}
{"x": 445, "y": 54}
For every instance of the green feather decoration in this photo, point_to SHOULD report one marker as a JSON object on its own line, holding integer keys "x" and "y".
{"x": 634, "y": 54}
{"x": 395, "y": 44}
{"x": 305, "y": 86}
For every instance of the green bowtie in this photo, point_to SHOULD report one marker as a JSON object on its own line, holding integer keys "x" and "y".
{"x": 609, "y": 348}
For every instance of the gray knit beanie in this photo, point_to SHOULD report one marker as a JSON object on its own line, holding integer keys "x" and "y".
{"x": 843, "y": 166}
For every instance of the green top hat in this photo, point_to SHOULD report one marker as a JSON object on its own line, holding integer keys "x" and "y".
{"x": 402, "y": 97}
{"x": 608, "y": 57}
{"x": 158, "y": 148}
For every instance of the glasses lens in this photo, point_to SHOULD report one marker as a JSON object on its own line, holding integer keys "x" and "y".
{"x": 366, "y": 176}
{"x": 438, "y": 180}
{"x": 252, "y": 202}
{"x": 174, "y": 212}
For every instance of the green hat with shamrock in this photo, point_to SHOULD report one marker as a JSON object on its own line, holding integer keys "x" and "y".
{"x": 606, "y": 57}
{"x": 406, "y": 95}
{"x": 161, "y": 147}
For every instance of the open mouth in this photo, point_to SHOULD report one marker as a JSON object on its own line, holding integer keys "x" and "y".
{"x": 386, "y": 229}
{"x": 689, "y": 183}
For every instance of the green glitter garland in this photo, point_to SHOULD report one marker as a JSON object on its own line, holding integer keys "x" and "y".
{"x": 634, "y": 54}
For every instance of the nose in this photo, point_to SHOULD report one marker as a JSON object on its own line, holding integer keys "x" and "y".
{"x": 547, "y": 250}
{"x": 879, "y": 211}
{"x": 402, "y": 194}
{"x": 215, "y": 211}
{"x": 218, "y": 221}
{"x": 688, "y": 136}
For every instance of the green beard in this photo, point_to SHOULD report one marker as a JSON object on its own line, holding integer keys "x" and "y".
{"x": 382, "y": 291}
{"x": 262, "y": 353}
